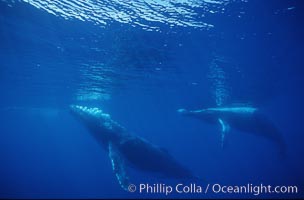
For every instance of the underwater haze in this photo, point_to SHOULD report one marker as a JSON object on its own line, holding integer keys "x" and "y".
{"x": 210, "y": 91}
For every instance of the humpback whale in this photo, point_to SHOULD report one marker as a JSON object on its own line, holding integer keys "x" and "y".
{"x": 125, "y": 149}
{"x": 243, "y": 118}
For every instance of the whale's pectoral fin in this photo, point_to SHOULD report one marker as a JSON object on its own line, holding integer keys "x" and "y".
{"x": 225, "y": 129}
{"x": 118, "y": 166}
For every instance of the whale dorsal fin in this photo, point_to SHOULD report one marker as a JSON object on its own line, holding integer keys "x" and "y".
{"x": 118, "y": 166}
{"x": 225, "y": 129}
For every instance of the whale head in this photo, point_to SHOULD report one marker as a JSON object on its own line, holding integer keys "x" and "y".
{"x": 98, "y": 122}
{"x": 86, "y": 113}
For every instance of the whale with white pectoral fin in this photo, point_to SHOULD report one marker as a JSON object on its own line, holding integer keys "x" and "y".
{"x": 242, "y": 118}
{"x": 125, "y": 149}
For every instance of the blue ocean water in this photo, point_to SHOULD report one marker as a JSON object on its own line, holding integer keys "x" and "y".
{"x": 141, "y": 61}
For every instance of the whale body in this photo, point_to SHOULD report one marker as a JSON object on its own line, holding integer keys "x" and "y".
{"x": 125, "y": 149}
{"x": 245, "y": 119}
